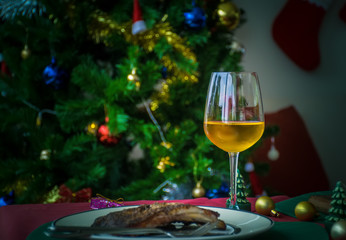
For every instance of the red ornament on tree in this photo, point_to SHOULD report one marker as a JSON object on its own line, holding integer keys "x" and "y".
{"x": 3, "y": 67}
{"x": 105, "y": 137}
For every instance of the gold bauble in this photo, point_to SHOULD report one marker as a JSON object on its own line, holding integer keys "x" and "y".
{"x": 305, "y": 211}
{"x": 338, "y": 230}
{"x": 227, "y": 14}
{"x": 264, "y": 205}
{"x": 198, "y": 191}
{"x": 25, "y": 52}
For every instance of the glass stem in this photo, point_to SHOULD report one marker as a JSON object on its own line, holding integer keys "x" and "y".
{"x": 233, "y": 163}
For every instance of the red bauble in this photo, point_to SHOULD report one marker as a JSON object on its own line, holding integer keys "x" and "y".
{"x": 3, "y": 67}
{"x": 105, "y": 137}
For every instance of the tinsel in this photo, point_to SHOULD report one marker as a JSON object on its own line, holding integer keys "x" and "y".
{"x": 102, "y": 26}
{"x": 19, "y": 186}
{"x": 9, "y": 9}
{"x": 164, "y": 161}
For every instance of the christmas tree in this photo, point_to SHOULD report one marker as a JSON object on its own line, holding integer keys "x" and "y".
{"x": 109, "y": 96}
{"x": 337, "y": 210}
{"x": 242, "y": 202}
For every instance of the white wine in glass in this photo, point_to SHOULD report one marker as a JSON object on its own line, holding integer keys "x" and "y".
{"x": 233, "y": 117}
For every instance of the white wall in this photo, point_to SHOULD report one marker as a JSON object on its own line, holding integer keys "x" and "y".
{"x": 319, "y": 95}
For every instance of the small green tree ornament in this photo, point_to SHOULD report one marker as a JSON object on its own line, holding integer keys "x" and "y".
{"x": 242, "y": 202}
{"x": 337, "y": 210}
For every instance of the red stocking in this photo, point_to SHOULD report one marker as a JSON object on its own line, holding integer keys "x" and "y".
{"x": 296, "y": 30}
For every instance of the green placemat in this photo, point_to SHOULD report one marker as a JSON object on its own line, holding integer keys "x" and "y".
{"x": 287, "y": 206}
{"x": 280, "y": 230}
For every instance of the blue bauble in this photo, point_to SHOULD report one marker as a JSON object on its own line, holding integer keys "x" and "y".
{"x": 195, "y": 18}
{"x": 164, "y": 72}
{"x": 222, "y": 192}
{"x": 54, "y": 76}
{"x": 7, "y": 199}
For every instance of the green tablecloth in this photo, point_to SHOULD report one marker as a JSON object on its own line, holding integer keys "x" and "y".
{"x": 287, "y": 206}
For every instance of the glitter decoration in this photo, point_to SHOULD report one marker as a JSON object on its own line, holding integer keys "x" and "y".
{"x": 9, "y": 9}
{"x": 100, "y": 201}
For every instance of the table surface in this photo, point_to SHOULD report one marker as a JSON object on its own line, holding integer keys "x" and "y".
{"x": 18, "y": 221}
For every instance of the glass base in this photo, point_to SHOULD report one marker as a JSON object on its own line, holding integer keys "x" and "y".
{"x": 238, "y": 206}
{"x": 229, "y": 205}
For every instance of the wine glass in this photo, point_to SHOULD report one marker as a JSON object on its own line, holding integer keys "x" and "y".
{"x": 233, "y": 117}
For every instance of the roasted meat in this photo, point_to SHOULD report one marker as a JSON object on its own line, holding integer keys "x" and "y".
{"x": 158, "y": 215}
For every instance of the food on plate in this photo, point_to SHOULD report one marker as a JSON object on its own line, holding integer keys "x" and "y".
{"x": 158, "y": 215}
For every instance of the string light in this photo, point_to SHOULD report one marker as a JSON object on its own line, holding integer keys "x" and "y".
{"x": 40, "y": 112}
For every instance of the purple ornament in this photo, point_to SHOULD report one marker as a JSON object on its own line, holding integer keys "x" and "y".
{"x": 103, "y": 202}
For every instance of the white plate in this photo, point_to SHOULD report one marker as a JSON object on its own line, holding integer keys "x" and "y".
{"x": 250, "y": 224}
